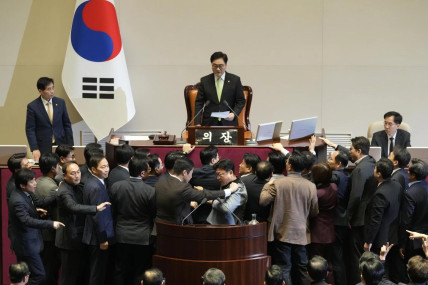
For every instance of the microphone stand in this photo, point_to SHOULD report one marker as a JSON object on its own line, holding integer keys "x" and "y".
{"x": 181, "y": 140}
{"x": 251, "y": 141}
{"x": 233, "y": 214}
{"x": 202, "y": 202}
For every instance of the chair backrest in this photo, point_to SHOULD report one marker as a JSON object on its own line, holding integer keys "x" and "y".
{"x": 191, "y": 91}
{"x": 378, "y": 126}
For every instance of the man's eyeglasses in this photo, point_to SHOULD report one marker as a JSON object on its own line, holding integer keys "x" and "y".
{"x": 220, "y": 66}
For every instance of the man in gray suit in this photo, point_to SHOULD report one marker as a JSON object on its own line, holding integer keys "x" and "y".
{"x": 49, "y": 165}
{"x": 294, "y": 200}
{"x": 222, "y": 209}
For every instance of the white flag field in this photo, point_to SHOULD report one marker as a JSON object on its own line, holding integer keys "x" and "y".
{"x": 95, "y": 74}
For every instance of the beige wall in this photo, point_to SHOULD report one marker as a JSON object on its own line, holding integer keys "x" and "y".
{"x": 347, "y": 62}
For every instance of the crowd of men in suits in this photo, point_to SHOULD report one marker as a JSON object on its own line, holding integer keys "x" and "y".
{"x": 98, "y": 225}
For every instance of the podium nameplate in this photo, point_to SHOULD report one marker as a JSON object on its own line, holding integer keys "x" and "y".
{"x": 216, "y": 136}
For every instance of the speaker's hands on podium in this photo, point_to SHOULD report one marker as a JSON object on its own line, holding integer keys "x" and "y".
{"x": 230, "y": 117}
{"x": 36, "y": 155}
{"x": 193, "y": 204}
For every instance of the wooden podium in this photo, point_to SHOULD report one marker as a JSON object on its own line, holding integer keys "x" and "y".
{"x": 184, "y": 253}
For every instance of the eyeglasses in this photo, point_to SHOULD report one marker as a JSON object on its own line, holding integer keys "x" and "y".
{"x": 220, "y": 66}
{"x": 218, "y": 174}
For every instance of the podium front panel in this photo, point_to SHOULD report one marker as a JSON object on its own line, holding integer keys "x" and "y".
{"x": 184, "y": 253}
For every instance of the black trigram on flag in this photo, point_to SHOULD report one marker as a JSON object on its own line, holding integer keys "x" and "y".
{"x": 93, "y": 86}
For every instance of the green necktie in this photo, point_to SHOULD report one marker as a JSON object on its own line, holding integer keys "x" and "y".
{"x": 219, "y": 87}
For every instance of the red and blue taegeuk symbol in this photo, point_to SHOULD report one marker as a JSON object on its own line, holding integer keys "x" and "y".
{"x": 95, "y": 33}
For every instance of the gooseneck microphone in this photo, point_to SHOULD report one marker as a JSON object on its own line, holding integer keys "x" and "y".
{"x": 236, "y": 115}
{"x": 202, "y": 202}
{"x": 181, "y": 141}
{"x": 236, "y": 217}
{"x": 251, "y": 140}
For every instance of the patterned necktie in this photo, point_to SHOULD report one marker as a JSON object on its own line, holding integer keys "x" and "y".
{"x": 48, "y": 105}
{"x": 49, "y": 112}
{"x": 391, "y": 145}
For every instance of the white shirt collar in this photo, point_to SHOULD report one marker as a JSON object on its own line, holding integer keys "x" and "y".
{"x": 222, "y": 77}
{"x": 45, "y": 102}
{"x": 392, "y": 136}
{"x": 102, "y": 180}
{"x": 176, "y": 177}
{"x": 358, "y": 161}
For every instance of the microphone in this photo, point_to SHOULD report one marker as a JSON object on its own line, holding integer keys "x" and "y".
{"x": 236, "y": 217}
{"x": 181, "y": 141}
{"x": 251, "y": 140}
{"x": 200, "y": 204}
{"x": 236, "y": 115}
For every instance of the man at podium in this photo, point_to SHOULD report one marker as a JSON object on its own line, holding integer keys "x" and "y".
{"x": 219, "y": 92}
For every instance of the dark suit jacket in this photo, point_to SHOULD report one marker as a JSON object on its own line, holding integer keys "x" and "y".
{"x": 134, "y": 209}
{"x": 414, "y": 214}
{"x": 98, "y": 228}
{"x": 85, "y": 174}
{"x": 248, "y": 178}
{"x": 25, "y": 235}
{"x": 10, "y": 187}
{"x": 340, "y": 178}
{"x": 232, "y": 93}
{"x": 254, "y": 188}
{"x": 151, "y": 180}
{"x": 320, "y": 283}
{"x": 380, "y": 138}
{"x": 361, "y": 187}
{"x": 204, "y": 177}
{"x": 173, "y": 199}
{"x": 118, "y": 173}
{"x": 401, "y": 177}
{"x": 322, "y": 226}
{"x": 381, "y": 212}
{"x": 72, "y": 213}
{"x": 39, "y": 128}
